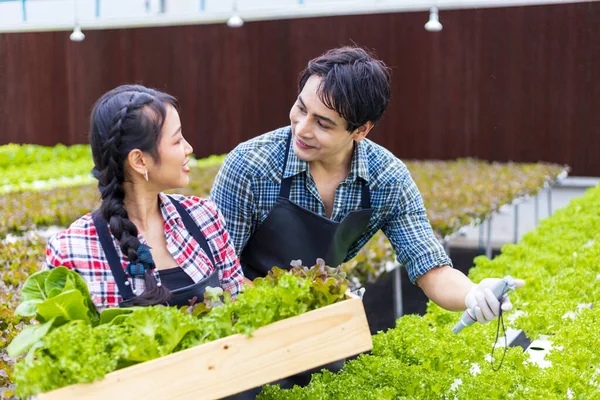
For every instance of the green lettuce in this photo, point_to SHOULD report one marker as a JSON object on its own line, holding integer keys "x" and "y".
{"x": 54, "y": 298}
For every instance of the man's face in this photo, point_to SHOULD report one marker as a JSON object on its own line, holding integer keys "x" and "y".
{"x": 318, "y": 132}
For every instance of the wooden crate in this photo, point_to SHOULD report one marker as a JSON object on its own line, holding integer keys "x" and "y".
{"x": 237, "y": 363}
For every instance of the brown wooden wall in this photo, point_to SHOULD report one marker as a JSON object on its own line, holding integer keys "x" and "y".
{"x": 519, "y": 84}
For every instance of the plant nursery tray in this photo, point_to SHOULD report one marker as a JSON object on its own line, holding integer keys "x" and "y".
{"x": 236, "y": 363}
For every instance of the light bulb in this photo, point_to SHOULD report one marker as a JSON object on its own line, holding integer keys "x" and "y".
{"x": 235, "y": 21}
{"x": 433, "y": 25}
{"x": 77, "y": 35}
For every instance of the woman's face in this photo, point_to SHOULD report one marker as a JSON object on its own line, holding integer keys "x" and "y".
{"x": 171, "y": 171}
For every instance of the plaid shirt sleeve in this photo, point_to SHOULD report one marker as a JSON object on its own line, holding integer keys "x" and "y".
{"x": 53, "y": 257}
{"x": 410, "y": 233}
{"x": 232, "y": 192}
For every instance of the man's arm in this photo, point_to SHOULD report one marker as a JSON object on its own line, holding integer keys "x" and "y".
{"x": 417, "y": 248}
{"x": 411, "y": 236}
{"x": 429, "y": 267}
{"x": 446, "y": 286}
{"x": 233, "y": 195}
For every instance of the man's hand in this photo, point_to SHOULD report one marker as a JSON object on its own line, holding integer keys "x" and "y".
{"x": 487, "y": 306}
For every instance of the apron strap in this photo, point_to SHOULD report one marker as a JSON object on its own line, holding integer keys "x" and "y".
{"x": 113, "y": 258}
{"x": 286, "y": 184}
{"x": 365, "y": 197}
{"x": 111, "y": 255}
{"x": 193, "y": 228}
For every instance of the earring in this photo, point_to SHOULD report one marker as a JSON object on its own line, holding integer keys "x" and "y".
{"x": 146, "y": 175}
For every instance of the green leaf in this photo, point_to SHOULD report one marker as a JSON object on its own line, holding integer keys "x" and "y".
{"x": 212, "y": 293}
{"x": 28, "y": 308}
{"x": 119, "y": 319}
{"x": 156, "y": 331}
{"x": 56, "y": 280}
{"x": 27, "y": 338}
{"x": 34, "y": 288}
{"x": 70, "y": 305}
{"x": 54, "y": 292}
{"x": 70, "y": 283}
{"x": 81, "y": 285}
{"x": 108, "y": 315}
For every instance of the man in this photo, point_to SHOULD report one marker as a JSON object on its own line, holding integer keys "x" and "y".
{"x": 320, "y": 189}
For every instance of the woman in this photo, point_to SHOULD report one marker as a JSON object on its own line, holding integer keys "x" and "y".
{"x": 142, "y": 247}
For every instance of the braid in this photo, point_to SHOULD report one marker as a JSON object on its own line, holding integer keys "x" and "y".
{"x": 127, "y": 131}
{"x": 113, "y": 194}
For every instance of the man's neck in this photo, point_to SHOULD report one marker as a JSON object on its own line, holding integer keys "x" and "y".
{"x": 336, "y": 167}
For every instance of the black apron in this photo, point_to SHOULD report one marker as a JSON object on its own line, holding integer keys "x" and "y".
{"x": 179, "y": 297}
{"x": 291, "y": 232}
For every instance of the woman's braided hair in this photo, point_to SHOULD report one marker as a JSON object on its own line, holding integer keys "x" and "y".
{"x": 126, "y": 118}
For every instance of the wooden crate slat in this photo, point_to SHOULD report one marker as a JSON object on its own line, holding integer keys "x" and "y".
{"x": 237, "y": 363}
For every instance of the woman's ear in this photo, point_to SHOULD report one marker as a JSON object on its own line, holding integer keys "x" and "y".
{"x": 362, "y": 131}
{"x": 137, "y": 161}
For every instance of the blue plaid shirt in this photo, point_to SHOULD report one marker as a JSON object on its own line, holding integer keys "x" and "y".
{"x": 247, "y": 186}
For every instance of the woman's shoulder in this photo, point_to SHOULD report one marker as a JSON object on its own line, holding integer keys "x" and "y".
{"x": 83, "y": 226}
{"x": 194, "y": 205}
{"x": 73, "y": 240}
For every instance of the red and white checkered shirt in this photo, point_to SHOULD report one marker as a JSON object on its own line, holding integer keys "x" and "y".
{"x": 79, "y": 249}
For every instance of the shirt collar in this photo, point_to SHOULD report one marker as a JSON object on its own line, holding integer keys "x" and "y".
{"x": 358, "y": 168}
{"x": 294, "y": 165}
{"x": 360, "y": 162}
{"x": 168, "y": 210}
